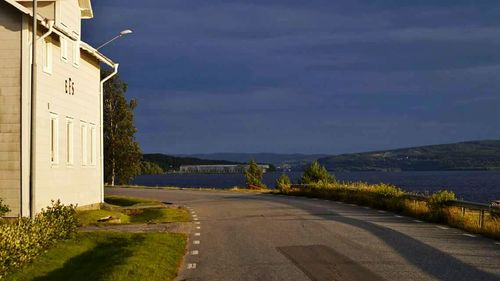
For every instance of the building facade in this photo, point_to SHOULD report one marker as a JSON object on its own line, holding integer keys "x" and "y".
{"x": 57, "y": 154}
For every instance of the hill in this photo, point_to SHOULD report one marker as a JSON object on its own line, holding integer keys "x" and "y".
{"x": 472, "y": 155}
{"x": 272, "y": 158}
{"x": 172, "y": 163}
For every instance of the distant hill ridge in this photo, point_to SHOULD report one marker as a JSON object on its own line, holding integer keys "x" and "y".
{"x": 470, "y": 155}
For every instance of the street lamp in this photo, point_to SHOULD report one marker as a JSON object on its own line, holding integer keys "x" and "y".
{"x": 122, "y": 33}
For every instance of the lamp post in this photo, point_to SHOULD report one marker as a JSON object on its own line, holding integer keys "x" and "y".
{"x": 122, "y": 33}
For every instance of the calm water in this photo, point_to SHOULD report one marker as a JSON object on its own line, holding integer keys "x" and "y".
{"x": 470, "y": 185}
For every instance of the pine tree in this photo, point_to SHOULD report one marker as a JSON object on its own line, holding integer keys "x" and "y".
{"x": 253, "y": 175}
{"x": 316, "y": 173}
{"x": 122, "y": 153}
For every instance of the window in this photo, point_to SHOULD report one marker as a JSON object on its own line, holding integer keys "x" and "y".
{"x": 64, "y": 48}
{"x": 47, "y": 55}
{"x": 92, "y": 145}
{"x": 83, "y": 130}
{"x": 69, "y": 141}
{"x": 76, "y": 51}
{"x": 54, "y": 138}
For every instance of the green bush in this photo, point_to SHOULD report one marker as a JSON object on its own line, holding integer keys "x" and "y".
{"x": 253, "y": 175}
{"x": 283, "y": 183}
{"x": 23, "y": 240}
{"x": 437, "y": 203}
{"x": 4, "y": 209}
{"x": 315, "y": 173}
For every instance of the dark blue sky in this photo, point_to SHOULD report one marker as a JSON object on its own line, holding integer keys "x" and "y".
{"x": 315, "y": 76}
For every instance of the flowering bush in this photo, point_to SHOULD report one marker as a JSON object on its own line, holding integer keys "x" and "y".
{"x": 23, "y": 240}
{"x": 4, "y": 209}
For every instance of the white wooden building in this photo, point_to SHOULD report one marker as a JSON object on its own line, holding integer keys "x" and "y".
{"x": 67, "y": 114}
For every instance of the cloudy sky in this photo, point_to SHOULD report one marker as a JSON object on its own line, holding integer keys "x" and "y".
{"x": 315, "y": 76}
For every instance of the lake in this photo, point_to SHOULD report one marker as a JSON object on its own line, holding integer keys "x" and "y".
{"x": 479, "y": 186}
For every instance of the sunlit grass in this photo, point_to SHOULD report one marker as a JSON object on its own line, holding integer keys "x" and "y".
{"x": 109, "y": 256}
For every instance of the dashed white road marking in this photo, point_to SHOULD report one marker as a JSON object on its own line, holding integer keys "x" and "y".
{"x": 194, "y": 216}
{"x": 469, "y": 235}
{"x": 196, "y": 222}
{"x": 382, "y": 212}
{"x": 498, "y": 243}
{"x": 397, "y": 216}
{"x": 194, "y": 252}
{"x": 196, "y": 242}
{"x": 198, "y": 227}
{"x": 442, "y": 227}
{"x": 197, "y": 234}
{"x": 353, "y": 205}
{"x": 368, "y": 208}
{"x": 419, "y": 221}
{"x": 195, "y": 219}
{"x": 191, "y": 266}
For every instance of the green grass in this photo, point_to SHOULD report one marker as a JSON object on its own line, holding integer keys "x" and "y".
{"x": 156, "y": 215}
{"x": 90, "y": 217}
{"x": 109, "y": 256}
{"x": 161, "y": 216}
{"x": 125, "y": 201}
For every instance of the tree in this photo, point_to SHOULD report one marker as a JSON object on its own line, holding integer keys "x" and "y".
{"x": 122, "y": 153}
{"x": 150, "y": 168}
{"x": 253, "y": 175}
{"x": 315, "y": 173}
{"x": 283, "y": 183}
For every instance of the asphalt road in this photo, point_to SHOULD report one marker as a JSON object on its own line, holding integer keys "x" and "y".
{"x": 244, "y": 236}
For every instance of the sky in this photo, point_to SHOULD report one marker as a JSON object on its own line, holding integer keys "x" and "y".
{"x": 315, "y": 76}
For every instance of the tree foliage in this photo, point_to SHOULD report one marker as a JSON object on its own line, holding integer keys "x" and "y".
{"x": 122, "y": 153}
{"x": 253, "y": 175}
{"x": 283, "y": 183}
{"x": 150, "y": 168}
{"x": 315, "y": 173}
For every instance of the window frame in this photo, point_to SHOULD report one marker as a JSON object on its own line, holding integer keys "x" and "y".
{"x": 54, "y": 138}
{"x": 47, "y": 59}
{"x": 76, "y": 51}
{"x": 70, "y": 141}
{"x": 64, "y": 48}
{"x": 83, "y": 140}
{"x": 92, "y": 144}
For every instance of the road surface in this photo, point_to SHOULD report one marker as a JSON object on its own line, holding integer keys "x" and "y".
{"x": 247, "y": 236}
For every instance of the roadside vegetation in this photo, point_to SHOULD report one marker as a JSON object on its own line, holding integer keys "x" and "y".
{"x": 318, "y": 183}
{"x": 253, "y": 176}
{"x": 109, "y": 256}
{"x": 124, "y": 210}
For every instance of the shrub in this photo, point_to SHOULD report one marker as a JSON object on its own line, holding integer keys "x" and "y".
{"x": 4, "y": 209}
{"x": 283, "y": 183}
{"x": 253, "y": 175}
{"x": 438, "y": 201}
{"x": 315, "y": 173}
{"x": 22, "y": 241}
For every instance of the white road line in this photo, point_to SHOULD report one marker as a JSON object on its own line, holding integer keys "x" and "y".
{"x": 419, "y": 221}
{"x": 198, "y": 227}
{"x": 314, "y": 198}
{"x": 382, "y": 212}
{"x": 469, "y": 235}
{"x": 197, "y": 234}
{"x": 397, "y": 216}
{"x": 194, "y": 252}
{"x": 196, "y": 222}
{"x": 442, "y": 227}
{"x": 195, "y": 219}
{"x": 194, "y": 216}
{"x": 498, "y": 243}
{"x": 196, "y": 242}
{"x": 353, "y": 205}
{"x": 368, "y": 208}
{"x": 191, "y": 266}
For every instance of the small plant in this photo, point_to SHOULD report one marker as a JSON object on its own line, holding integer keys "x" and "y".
{"x": 4, "y": 209}
{"x": 437, "y": 203}
{"x": 315, "y": 173}
{"x": 283, "y": 183}
{"x": 253, "y": 176}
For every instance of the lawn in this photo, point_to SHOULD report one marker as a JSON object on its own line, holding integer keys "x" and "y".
{"x": 133, "y": 215}
{"x": 109, "y": 256}
{"x": 125, "y": 201}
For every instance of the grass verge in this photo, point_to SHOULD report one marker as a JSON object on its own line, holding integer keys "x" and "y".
{"x": 109, "y": 256}
{"x": 125, "y": 201}
{"x": 387, "y": 197}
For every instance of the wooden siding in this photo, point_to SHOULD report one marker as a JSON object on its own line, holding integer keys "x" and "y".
{"x": 69, "y": 15}
{"x": 10, "y": 106}
{"x": 75, "y": 183}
